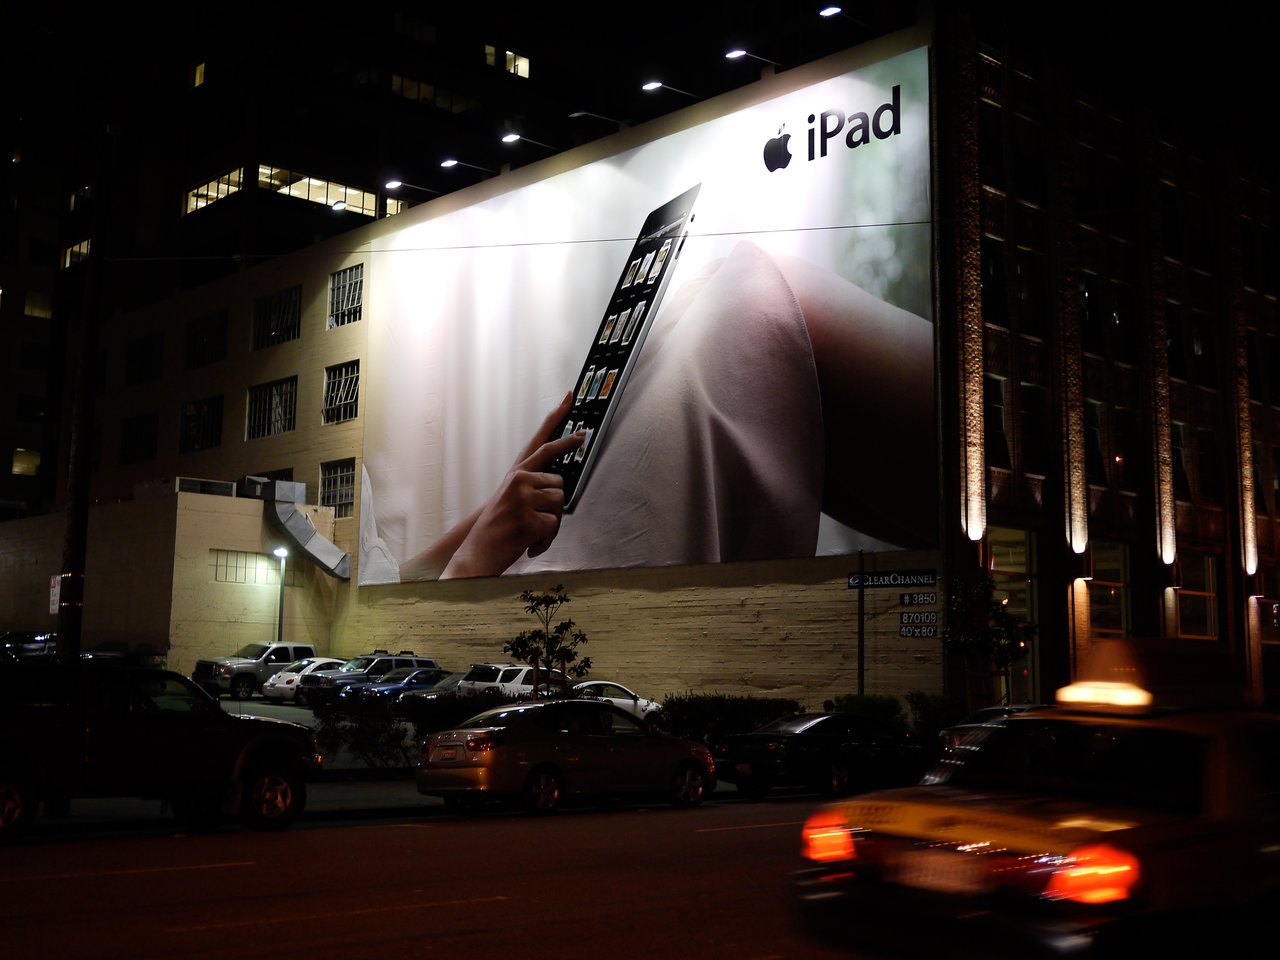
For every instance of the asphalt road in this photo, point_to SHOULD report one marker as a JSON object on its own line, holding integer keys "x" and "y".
{"x": 401, "y": 877}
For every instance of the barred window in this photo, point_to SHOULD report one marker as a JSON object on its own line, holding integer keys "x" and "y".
{"x": 346, "y": 295}
{"x": 277, "y": 318}
{"x": 338, "y": 486}
{"x": 239, "y": 566}
{"x": 273, "y": 408}
{"x": 201, "y": 425}
{"x": 206, "y": 340}
{"x": 342, "y": 392}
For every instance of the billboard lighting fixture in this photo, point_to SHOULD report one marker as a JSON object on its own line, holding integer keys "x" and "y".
{"x": 455, "y": 162}
{"x": 598, "y": 116}
{"x": 513, "y": 137}
{"x": 397, "y": 184}
{"x": 659, "y": 85}
{"x": 739, "y": 53}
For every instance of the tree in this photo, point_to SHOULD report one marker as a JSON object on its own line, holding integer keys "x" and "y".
{"x": 549, "y": 648}
{"x": 982, "y": 636}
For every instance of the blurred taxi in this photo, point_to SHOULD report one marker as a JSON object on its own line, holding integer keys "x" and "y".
{"x": 1104, "y": 821}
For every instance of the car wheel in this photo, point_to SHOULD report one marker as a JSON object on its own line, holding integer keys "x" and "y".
{"x": 542, "y": 790}
{"x": 272, "y": 798}
{"x": 688, "y": 787}
{"x": 16, "y": 806}
{"x": 242, "y": 687}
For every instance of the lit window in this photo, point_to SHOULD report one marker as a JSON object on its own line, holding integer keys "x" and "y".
{"x": 394, "y": 205}
{"x": 197, "y": 75}
{"x": 26, "y": 463}
{"x": 75, "y": 254}
{"x": 294, "y": 184}
{"x": 338, "y": 486}
{"x": 214, "y": 190}
{"x": 39, "y": 305}
{"x": 273, "y": 408}
{"x": 1197, "y": 597}
{"x": 341, "y": 392}
{"x": 1109, "y": 590}
{"x": 346, "y": 294}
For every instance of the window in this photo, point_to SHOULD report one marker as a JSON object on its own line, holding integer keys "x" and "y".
{"x": 1014, "y": 573}
{"x": 1092, "y": 334}
{"x": 1127, "y": 461}
{"x": 272, "y": 408}
{"x": 510, "y": 62}
{"x": 1029, "y": 277}
{"x": 143, "y": 358}
{"x": 74, "y": 254}
{"x": 1197, "y": 599}
{"x": 1177, "y": 340}
{"x": 291, "y": 183}
{"x": 1178, "y": 441}
{"x": 201, "y": 425}
{"x": 277, "y": 318}
{"x": 1035, "y": 429}
{"x": 139, "y": 437}
{"x": 38, "y": 304}
{"x": 1109, "y": 590}
{"x": 1095, "y": 461}
{"x": 237, "y": 566}
{"x": 338, "y": 486}
{"x": 214, "y": 190}
{"x": 206, "y": 340}
{"x": 995, "y": 429}
{"x": 197, "y": 75}
{"x": 346, "y": 292}
{"x": 26, "y": 463}
{"x": 341, "y": 392}
{"x": 995, "y": 308}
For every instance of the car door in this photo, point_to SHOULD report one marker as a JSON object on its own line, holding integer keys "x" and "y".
{"x": 640, "y": 762}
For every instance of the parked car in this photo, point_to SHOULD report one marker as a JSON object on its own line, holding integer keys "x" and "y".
{"x": 393, "y": 684}
{"x": 106, "y": 727}
{"x": 446, "y": 687}
{"x": 512, "y": 679}
{"x": 284, "y": 685}
{"x": 321, "y": 686}
{"x": 545, "y": 751}
{"x": 1107, "y": 822}
{"x": 244, "y": 672}
{"x": 835, "y": 753}
{"x": 618, "y": 695}
{"x": 950, "y": 736}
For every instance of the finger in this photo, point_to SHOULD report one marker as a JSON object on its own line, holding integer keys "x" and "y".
{"x": 540, "y": 458}
{"x": 549, "y": 424}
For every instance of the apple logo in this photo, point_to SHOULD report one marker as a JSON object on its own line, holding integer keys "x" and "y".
{"x": 776, "y": 154}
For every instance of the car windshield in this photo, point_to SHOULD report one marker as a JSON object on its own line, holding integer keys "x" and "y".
{"x": 252, "y": 651}
{"x": 1110, "y": 763}
{"x": 400, "y": 673}
{"x": 297, "y": 666}
{"x": 356, "y": 664}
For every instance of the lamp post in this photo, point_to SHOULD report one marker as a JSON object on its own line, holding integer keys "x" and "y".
{"x": 280, "y": 552}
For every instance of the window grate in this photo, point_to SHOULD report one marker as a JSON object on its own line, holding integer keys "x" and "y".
{"x": 201, "y": 425}
{"x": 272, "y": 408}
{"x": 342, "y": 392}
{"x": 346, "y": 295}
{"x": 338, "y": 486}
{"x": 277, "y": 318}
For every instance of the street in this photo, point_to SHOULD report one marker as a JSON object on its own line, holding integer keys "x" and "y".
{"x": 408, "y": 879}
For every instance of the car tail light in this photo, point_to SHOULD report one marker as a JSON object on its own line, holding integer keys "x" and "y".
{"x": 1095, "y": 874}
{"x": 483, "y": 742}
{"x": 826, "y": 838}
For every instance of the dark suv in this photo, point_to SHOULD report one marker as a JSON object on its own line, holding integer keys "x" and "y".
{"x": 320, "y": 687}
{"x": 113, "y": 728}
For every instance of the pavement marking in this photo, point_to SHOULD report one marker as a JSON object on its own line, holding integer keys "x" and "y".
{"x": 392, "y": 908}
{"x": 130, "y": 873}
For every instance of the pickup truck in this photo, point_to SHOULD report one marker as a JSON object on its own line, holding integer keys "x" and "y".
{"x": 244, "y": 672}
{"x": 109, "y": 728}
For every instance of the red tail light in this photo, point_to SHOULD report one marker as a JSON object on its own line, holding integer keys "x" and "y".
{"x": 483, "y": 742}
{"x": 826, "y": 838}
{"x": 1096, "y": 874}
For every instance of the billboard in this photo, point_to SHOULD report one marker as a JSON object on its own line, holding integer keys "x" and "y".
{"x": 773, "y": 400}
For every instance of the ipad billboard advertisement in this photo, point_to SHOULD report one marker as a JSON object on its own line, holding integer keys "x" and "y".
{"x": 721, "y": 340}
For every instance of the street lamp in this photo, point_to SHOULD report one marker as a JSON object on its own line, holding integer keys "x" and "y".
{"x": 397, "y": 184}
{"x": 455, "y": 162}
{"x": 514, "y": 137}
{"x": 280, "y": 552}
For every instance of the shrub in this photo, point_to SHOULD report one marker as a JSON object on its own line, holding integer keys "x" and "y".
{"x": 931, "y": 712}
{"x": 707, "y": 717}
{"x": 880, "y": 707}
